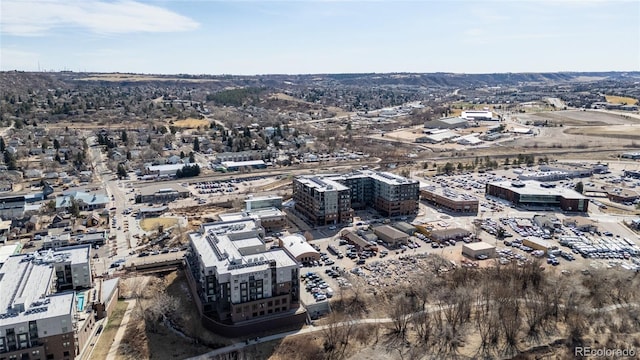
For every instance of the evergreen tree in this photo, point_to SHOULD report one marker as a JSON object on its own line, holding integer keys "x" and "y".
{"x": 196, "y": 144}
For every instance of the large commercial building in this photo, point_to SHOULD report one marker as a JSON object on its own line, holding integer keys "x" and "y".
{"x": 236, "y": 280}
{"x": 36, "y": 322}
{"x": 477, "y": 115}
{"x": 532, "y": 194}
{"x": 449, "y": 199}
{"x": 162, "y": 193}
{"x": 330, "y": 199}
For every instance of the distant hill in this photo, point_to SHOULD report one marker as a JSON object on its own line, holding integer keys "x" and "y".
{"x": 20, "y": 82}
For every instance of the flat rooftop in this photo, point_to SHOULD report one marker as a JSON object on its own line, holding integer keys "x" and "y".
{"x": 448, "y": 193}
{"x": 236, "y": 247}
{"x": 532, "y": 187}
{"x": 166, "y": 188}
{"x": 253, "y": 214}
{"x": 26, "y": 281}
{"x": 321, "y": 183}
{"x": 479, "y": 246}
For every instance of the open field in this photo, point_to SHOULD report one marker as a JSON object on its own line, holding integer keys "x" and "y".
{"x": 153, "y": 223}
{"x": 615, "y": 131}
{"x": 579, "y": 118}
{"x": 191, "y": 123}
{"x": 135, "y": 77}
{"x": 621, "y": 100}
{"x": 109, "y": 332}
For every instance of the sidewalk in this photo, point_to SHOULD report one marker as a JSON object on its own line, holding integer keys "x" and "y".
{"x": 113, "y": 351}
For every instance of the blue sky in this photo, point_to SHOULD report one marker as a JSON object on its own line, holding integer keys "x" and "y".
{"x": 305, "y": 36}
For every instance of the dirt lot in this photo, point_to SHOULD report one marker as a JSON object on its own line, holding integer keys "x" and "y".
{"x": 621, "y": 100}
{"x": 153, "y": 223}
{"x": 191, "y": 123}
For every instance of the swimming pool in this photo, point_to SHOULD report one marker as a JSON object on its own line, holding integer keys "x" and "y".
{"x": 80, "y": 301}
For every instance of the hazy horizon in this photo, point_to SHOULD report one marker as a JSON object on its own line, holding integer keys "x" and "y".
{"x": 234, "y": 37}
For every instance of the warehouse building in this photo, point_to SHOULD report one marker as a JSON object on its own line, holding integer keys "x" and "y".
{"x": 581, "y": 223}
{"x": 249, "y": 164}
{"x": 390, "y": 235}
{"x": 530, "y": 193}
{"x": 298, "y": 247}
{"x": 405, "y": 227}
{"x": 477, "y": 115}
{"x": 449, "y": 200}
{"x": 537, "y": 244}
{"x": 447, "y": 123}
{"x": 476, "y": 249}
{"x": 448, "y": 234}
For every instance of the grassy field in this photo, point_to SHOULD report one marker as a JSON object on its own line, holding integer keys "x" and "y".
{"x": 153, "y": 223}
{"x": 621, "y": 100}
{"x": 109, "y": 332}
{"x": 191, "y": 123}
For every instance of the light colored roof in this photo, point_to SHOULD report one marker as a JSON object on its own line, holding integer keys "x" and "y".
{"x": 297, "y": 245}
{"x": 390, "y": 232}
{"x": 479, "y": 246}
{"x": 78, "y": 254}
{"x": 85, "y": 197}
{"x": 453, "y": 120}
{"x": 540, "y": 242}
{"x": 5, "y": 224}
{"x": 447, "y": 193}
{"x": 28, "y": 282}
{"x": 533, "y": 187}
{"x": 8, "y": 250}
{"x": 107, "y": 289}
{"x": 253, "y": 214}
{"x": 166, "y": 167}
{"x": 152, "y": 189}
{"x": 441, "y": 136}
{"x": 221, "y": 245}
{"x": 242, "y": 163}
{"x": 154, "y": 209}
{"x": 321, "y": 183}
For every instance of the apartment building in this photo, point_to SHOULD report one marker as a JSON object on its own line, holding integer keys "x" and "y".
{"x": 389, "y": 194}
{"x": 35, "y": 322}
{"x": 321, "y": 200}
{"x": 235, "y": 279}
